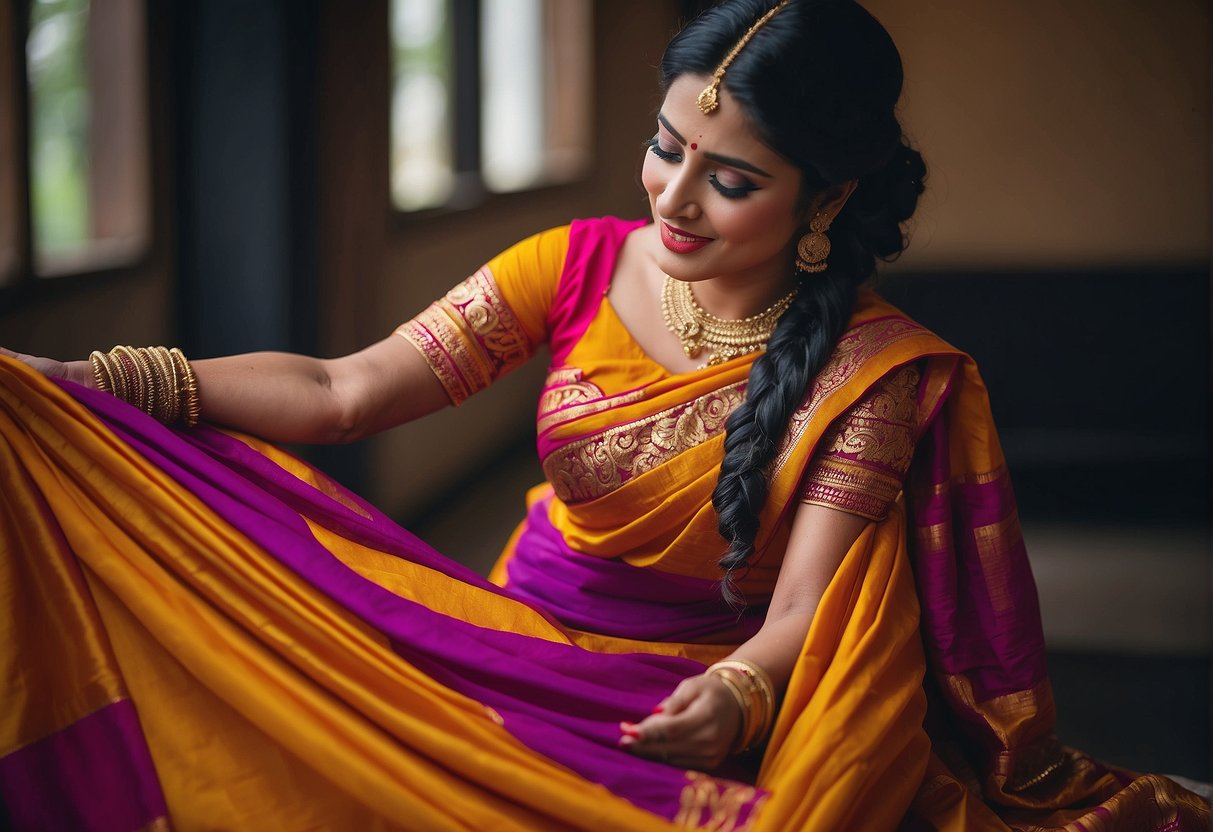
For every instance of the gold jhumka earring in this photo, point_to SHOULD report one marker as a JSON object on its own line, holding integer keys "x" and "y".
{"x": 814, "y": 247}
{"x": 709, "y": 99}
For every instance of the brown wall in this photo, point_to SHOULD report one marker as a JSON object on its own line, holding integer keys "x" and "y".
{"x": 380, "y": 275}
{"x": 1057, "y": 133}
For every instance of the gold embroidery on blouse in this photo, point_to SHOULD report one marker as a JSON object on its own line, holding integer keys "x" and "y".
{"x": 600, "y": 463}
{"x": 469, "y": 337}
{"x": 856, "y": 346}
{"x": 567, "y": 396}
{"x": 420, "y": 333}
{"x": 715, "y": 805}
{"x": 837, "y": 482}
{"x": 877, "y": 438}
{"x": 881, "y": 427}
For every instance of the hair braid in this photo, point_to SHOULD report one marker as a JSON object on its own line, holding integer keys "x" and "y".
{"x": 796, "y": 352}
{"x": 819, "y": 82}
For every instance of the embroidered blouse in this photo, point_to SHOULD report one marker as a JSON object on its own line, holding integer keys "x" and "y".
{"x": 494, "y": 320}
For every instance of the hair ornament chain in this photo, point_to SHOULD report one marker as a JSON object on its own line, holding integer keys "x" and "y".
{"x": 709, "y": 99}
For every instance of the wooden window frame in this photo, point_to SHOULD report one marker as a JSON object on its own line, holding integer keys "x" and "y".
{"x": 20, "y": 281}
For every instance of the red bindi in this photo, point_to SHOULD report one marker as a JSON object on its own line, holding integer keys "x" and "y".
{"x": 694, "y": 146}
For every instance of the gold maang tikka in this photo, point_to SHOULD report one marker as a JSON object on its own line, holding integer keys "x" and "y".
{"x": 709, "y": 99}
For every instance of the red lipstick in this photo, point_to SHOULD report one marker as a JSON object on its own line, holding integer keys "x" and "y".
{"x": 681, "y": 242}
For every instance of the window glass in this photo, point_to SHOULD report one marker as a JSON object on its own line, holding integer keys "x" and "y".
{"x": 422, "y": 164}
{"x": 535, "y": 59}
{"x": 89, "y": 189}
{"x": 511, "y": 81}
{"x": 530, "y": 60}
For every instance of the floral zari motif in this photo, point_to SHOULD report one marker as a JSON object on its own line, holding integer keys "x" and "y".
{"x": 717, "y": 806}
{"x": 861, "y": 468}
{"x": 600, "y": 463}
{"x": 470, "y": 337}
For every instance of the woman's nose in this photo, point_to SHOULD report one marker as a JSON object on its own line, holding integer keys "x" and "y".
{"x": 679, "y": 198}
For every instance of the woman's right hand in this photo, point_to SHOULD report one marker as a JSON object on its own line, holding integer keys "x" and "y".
{"x": 80, "y": 372}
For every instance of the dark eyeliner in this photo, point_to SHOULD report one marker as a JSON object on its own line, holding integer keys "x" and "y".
{"x": 731, "y": 193}
{"x": 663, "y": 155}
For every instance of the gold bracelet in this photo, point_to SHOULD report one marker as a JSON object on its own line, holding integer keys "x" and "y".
{"x": 101, "y": 372}
{"x": 168, "y": 371}
{"x": 758, "y": 689}
{"x": 743, "y": 702}
{"x": 191, "y": 405}
{"x": 157, "y": 380}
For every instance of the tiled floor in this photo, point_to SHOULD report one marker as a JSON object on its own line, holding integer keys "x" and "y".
{"x": 1126, "y": 613}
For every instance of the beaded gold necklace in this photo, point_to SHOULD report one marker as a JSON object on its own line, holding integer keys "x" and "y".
{"x": 699, "y": 329}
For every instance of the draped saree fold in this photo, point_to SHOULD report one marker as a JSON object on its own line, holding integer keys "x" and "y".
{"x": 202, "y": 632}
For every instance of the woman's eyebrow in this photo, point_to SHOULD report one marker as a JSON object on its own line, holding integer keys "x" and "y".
{"x": 677, "y": 136}
{"x": 740, "y": 164}
{"x": 736, "y": 163}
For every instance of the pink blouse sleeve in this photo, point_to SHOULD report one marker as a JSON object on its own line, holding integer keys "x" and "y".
{"x": 863, "y": 458}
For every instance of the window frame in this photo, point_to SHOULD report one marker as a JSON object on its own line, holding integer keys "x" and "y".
{"x": 24, "y": 285}
{"x": 469, "y": 191}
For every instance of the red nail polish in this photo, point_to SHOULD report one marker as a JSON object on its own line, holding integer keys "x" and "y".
{"x": 659, "y": 709}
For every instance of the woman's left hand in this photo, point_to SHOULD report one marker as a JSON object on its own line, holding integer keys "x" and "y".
{"x": 694, "y": 727}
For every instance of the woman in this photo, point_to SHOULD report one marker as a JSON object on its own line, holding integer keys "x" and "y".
{"x": 241, "y": 643}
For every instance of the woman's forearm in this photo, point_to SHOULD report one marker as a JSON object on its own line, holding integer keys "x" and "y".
{"x": 776, "y": 647}
{"x": 277, "y": 396}
{"x": 285, "y": 397}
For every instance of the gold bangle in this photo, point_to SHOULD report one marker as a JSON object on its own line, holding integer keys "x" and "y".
{"x": 168, "y": 397}
{"x": 136, "y": 382}
{"x": 127, "y": 377}
{"x": 190, "y": 404}
{"x": 744, "y": 730}
{"x": 101, "y": 374}
{"x": 760, "y": 691}
{"x": 157, "y": 380}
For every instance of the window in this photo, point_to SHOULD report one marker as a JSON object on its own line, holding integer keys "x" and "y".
{"x": 488, "y": 95}
{"x": 74, "y": 158}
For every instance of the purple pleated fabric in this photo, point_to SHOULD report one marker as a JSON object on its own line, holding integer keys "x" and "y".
{"x": 601, "y": 595}
{"x": 560, "y": 700}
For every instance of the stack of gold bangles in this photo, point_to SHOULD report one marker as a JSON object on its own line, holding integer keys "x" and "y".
{"x": 752, "y": 688}
{"x": 157, "y": 380}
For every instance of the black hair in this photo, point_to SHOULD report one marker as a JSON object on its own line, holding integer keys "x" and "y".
{"x": 819, "y": 83}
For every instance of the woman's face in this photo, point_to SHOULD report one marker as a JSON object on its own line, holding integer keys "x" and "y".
{"x": 724, "y": 203}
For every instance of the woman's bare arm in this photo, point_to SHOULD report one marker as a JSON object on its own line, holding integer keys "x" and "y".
{"x": 284, "y": 397}
{"x": 698, "y": 723}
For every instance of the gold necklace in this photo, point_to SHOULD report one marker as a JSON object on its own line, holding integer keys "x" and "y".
{"x": 699, "y": 329}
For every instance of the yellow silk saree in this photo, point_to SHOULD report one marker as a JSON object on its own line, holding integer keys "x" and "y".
{"x": 202, "y": 632}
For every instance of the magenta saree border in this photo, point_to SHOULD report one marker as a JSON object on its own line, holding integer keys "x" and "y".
{"x": 95, "y": 775}
{"x": 563, "y": 701}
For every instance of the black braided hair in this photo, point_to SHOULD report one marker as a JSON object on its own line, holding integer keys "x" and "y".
{"x": 819, "y": 83}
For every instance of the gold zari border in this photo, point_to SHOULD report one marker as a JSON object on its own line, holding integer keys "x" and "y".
{"x": 856, "y": 346}
{"x": 470, "y": 337}
{"x": 714, "y": 805}
{"x": 600, "y": 463}
{"x": 851, "y": 486}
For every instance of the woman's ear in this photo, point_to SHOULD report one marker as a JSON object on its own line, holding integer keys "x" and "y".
{"x": 832, "y": 199}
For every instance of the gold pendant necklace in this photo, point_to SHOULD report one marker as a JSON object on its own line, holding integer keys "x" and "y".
{"x": 699, "y": 329}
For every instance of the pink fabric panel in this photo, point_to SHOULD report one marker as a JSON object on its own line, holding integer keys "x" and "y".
{"x": 593, "y": 249}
